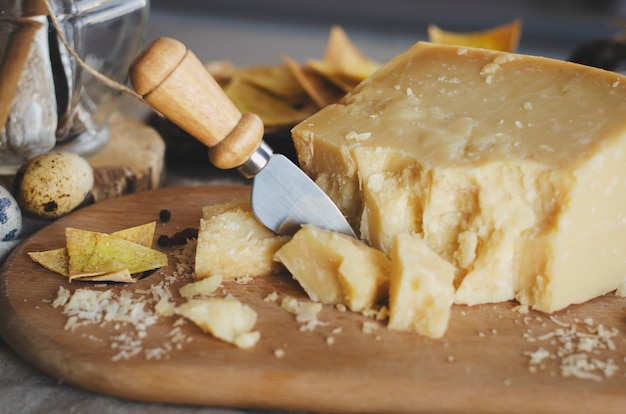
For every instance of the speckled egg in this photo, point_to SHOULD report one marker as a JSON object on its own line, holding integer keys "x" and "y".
{"x": 52, "y": 185}
{"x": 10, "y": 216}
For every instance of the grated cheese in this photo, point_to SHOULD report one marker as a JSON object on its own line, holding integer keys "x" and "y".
{"x": 131, "y": 314}
{"x": 369, "y": 327}
{"x": 578, "y": 347}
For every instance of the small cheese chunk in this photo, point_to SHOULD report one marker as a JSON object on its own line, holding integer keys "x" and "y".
{"x": 225, "y": 318}
{"x": 336, "y": 269}
{"x": 511, "y": 167}
{"x": 203, "y": 287}
{"x": 232, "y": 243}
{"x": 421, "y": 290}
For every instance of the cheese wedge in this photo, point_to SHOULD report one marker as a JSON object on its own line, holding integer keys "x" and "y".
{"x": 510, "y": 167}
{"x": 421, "y": 290}
{"x": 232, "y": 243}
{"x": 334, "y": 268}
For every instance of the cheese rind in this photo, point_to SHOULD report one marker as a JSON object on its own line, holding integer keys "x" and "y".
{"x": 336, "y": 269}
{"x": 510, "y": 167}
{"x": 421, "y": 290}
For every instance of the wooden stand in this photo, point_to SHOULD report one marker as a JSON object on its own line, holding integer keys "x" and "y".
{"x": 133, "y": 161}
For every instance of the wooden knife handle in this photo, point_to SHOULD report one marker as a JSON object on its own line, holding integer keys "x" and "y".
{"x": 173, "y": 81}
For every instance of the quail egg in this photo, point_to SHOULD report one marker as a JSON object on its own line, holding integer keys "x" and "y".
{"x": 53, "y": 184}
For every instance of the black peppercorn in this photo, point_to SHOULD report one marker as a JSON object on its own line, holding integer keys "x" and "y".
{"x": 165, "y": 215}
{"x": 163, "y": 240}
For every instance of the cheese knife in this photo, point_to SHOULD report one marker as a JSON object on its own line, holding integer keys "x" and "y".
{"x": 173, "y": 81}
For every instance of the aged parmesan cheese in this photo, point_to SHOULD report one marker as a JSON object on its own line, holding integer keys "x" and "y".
{"x": 202, "y": 287}
{"x": 510, "y": 167}
{"x": 232, "y": 243}
{"x": 225, "y": 318}
{"x": 421, "y": 290}
{"x": 336, "y": 269}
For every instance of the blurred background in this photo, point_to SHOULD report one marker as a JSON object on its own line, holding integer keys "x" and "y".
{"x": 252, "y": 32}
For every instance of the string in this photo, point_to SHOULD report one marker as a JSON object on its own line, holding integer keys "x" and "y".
{"x": 102, "y": 78}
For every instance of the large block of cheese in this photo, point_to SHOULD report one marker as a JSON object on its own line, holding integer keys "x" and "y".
{"x": 511, "y": 167}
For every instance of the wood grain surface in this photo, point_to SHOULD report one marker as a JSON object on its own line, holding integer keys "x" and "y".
{"x": 479, "y": 366}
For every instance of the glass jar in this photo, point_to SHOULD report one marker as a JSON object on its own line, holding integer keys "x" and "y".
{"x": 47, "y": 100}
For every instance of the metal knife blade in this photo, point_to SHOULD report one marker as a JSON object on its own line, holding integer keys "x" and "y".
{"x": 174, "y": 82}
{"x": 284, "y": 198}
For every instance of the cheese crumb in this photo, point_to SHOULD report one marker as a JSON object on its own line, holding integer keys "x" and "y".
{"x": 355, "y": 136}
{"x": 279, "y": 353}
{"x": 522, "y": 309}
{"x": 63, "y": 295}
{"x": 503, "y": 58}
{"x": 164, "y": 307}
{"x": 203, "y": 287}
{"x": 243, "y": 280}
{"x": 489, "y": 68}
{"x": 369, "y": 327}
{"x": 305, "y": 312}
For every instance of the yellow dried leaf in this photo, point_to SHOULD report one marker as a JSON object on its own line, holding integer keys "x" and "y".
{"x": 276, "y": 80}
{"x": 344, "y": 60}
{"x": 273, "y": 111}
{"x": 57, "y": 260}
{"x": 122, "y": 276}
{"x": 504, "y": 38}
{"x": 98, "y": 253}
{"x": 344, "y": 82}
{"x": 321, "y": 90}
{"x": 80, "y": 245}
{"x": 142, "y": 234}
{"x": 54, "y": 260}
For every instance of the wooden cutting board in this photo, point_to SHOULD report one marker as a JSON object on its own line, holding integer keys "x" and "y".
{"x": 479, "y": 366}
